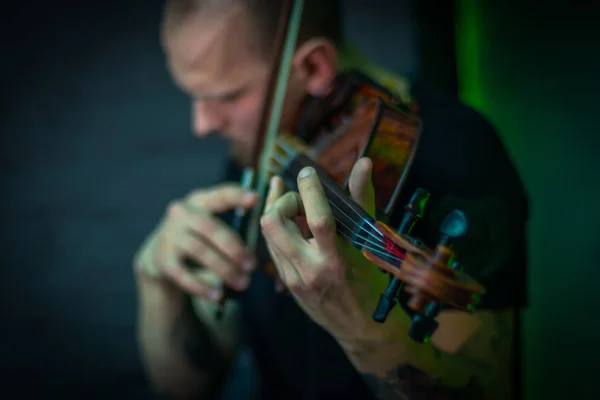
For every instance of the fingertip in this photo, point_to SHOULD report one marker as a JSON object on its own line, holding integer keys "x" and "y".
{"x": 276, "y": 189}
{"x": 276, "y": 182}
{"x": 279, "y": 287}
{"x": 250, "y": 198}
{"x": 272, "y": 187}
{"x": 263, "y": 220}
{"x": 280, "y": 185}
{"x": 306, "y": 172}
{"x": 214, "y": 295}
{"x": 366, "y": 164}
{"x": 360, "y": 181}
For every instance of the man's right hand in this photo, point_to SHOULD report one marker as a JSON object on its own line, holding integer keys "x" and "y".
{"x": 190, "y": 230}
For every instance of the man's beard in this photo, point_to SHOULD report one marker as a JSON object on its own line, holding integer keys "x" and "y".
{"x": 241, "y": 155}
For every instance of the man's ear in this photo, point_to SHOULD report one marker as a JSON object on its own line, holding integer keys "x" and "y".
{"x": 315, "y": 65}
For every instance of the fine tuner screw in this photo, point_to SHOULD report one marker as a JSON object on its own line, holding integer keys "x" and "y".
{"x": 453, "y": 227}
{"x": 424, "y": 324}
{"x": 413, "y": 211}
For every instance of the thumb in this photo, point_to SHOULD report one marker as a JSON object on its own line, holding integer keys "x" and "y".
{"x": 361, "y": 186}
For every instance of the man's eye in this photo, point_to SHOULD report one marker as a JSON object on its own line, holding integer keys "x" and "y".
{"x": 230, "y": 97}
{"x": 219, "y": 98}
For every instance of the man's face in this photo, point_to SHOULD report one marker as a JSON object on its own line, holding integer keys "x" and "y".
{"x": 212, "y": 57}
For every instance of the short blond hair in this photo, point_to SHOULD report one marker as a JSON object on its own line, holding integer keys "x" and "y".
{"x": 320, "y": 19}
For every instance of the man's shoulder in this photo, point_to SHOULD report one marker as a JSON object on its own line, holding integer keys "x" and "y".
{"x": 439, "y": 109}
{"x": 462, "y": 161}
{"x": 460, "y": 150}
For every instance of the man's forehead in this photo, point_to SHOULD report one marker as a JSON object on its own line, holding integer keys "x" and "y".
{"x": 210, "y": 45}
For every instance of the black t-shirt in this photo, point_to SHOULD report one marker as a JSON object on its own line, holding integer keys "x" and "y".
{"x": 462, "y": 162}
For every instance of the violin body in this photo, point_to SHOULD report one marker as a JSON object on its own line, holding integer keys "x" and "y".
{"x": 355, "y": 120}
{"x": 389, "y": 135}
{"x": 359, "y": 119}
{"x": 374, "y": 127}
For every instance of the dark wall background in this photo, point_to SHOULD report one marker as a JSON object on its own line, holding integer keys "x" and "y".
{"x": 533, "y": 68}
{"x": 95, "y": 142}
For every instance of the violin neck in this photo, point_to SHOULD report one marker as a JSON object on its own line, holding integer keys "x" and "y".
{"x": 350, "y": 217}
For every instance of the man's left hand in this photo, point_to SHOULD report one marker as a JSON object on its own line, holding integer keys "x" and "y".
{"x": 330, "y": 280}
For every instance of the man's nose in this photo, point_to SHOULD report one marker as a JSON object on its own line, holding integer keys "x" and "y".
{"x": 206, "y": 118}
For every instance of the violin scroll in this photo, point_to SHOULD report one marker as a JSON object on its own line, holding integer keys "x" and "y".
{"x": 430, "y": 277}
{"x": 426, "y": 275}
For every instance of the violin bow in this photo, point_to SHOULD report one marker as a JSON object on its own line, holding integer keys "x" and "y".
{"x": 424, "y": 273}
{"x": 291, "y": 18}
{"x": 256, "y": 176}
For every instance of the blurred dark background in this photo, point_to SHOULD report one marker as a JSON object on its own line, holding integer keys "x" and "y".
{"x": 96, "y": 141}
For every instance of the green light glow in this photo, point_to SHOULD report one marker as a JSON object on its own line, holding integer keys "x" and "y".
{"x": 467, "y": 31}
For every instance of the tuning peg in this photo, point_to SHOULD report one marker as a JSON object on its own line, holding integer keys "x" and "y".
{"x": 413, "y": 211}
{"x": 387, "y": 300}
{"x": 457, "y": 266}
{"x": 453, "y": 227}
{"x": 422, "y": 327}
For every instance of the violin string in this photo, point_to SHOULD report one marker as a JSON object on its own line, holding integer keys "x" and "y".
{"x": 290, "y": 151}
{"x": 379, "y": 248}
{"x": 378, "y": 253}
{"x": 375, "y": 250}
{"x": 376, "y": 247}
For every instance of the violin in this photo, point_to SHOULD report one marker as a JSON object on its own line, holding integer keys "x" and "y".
{"x": 358, "y": 119}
